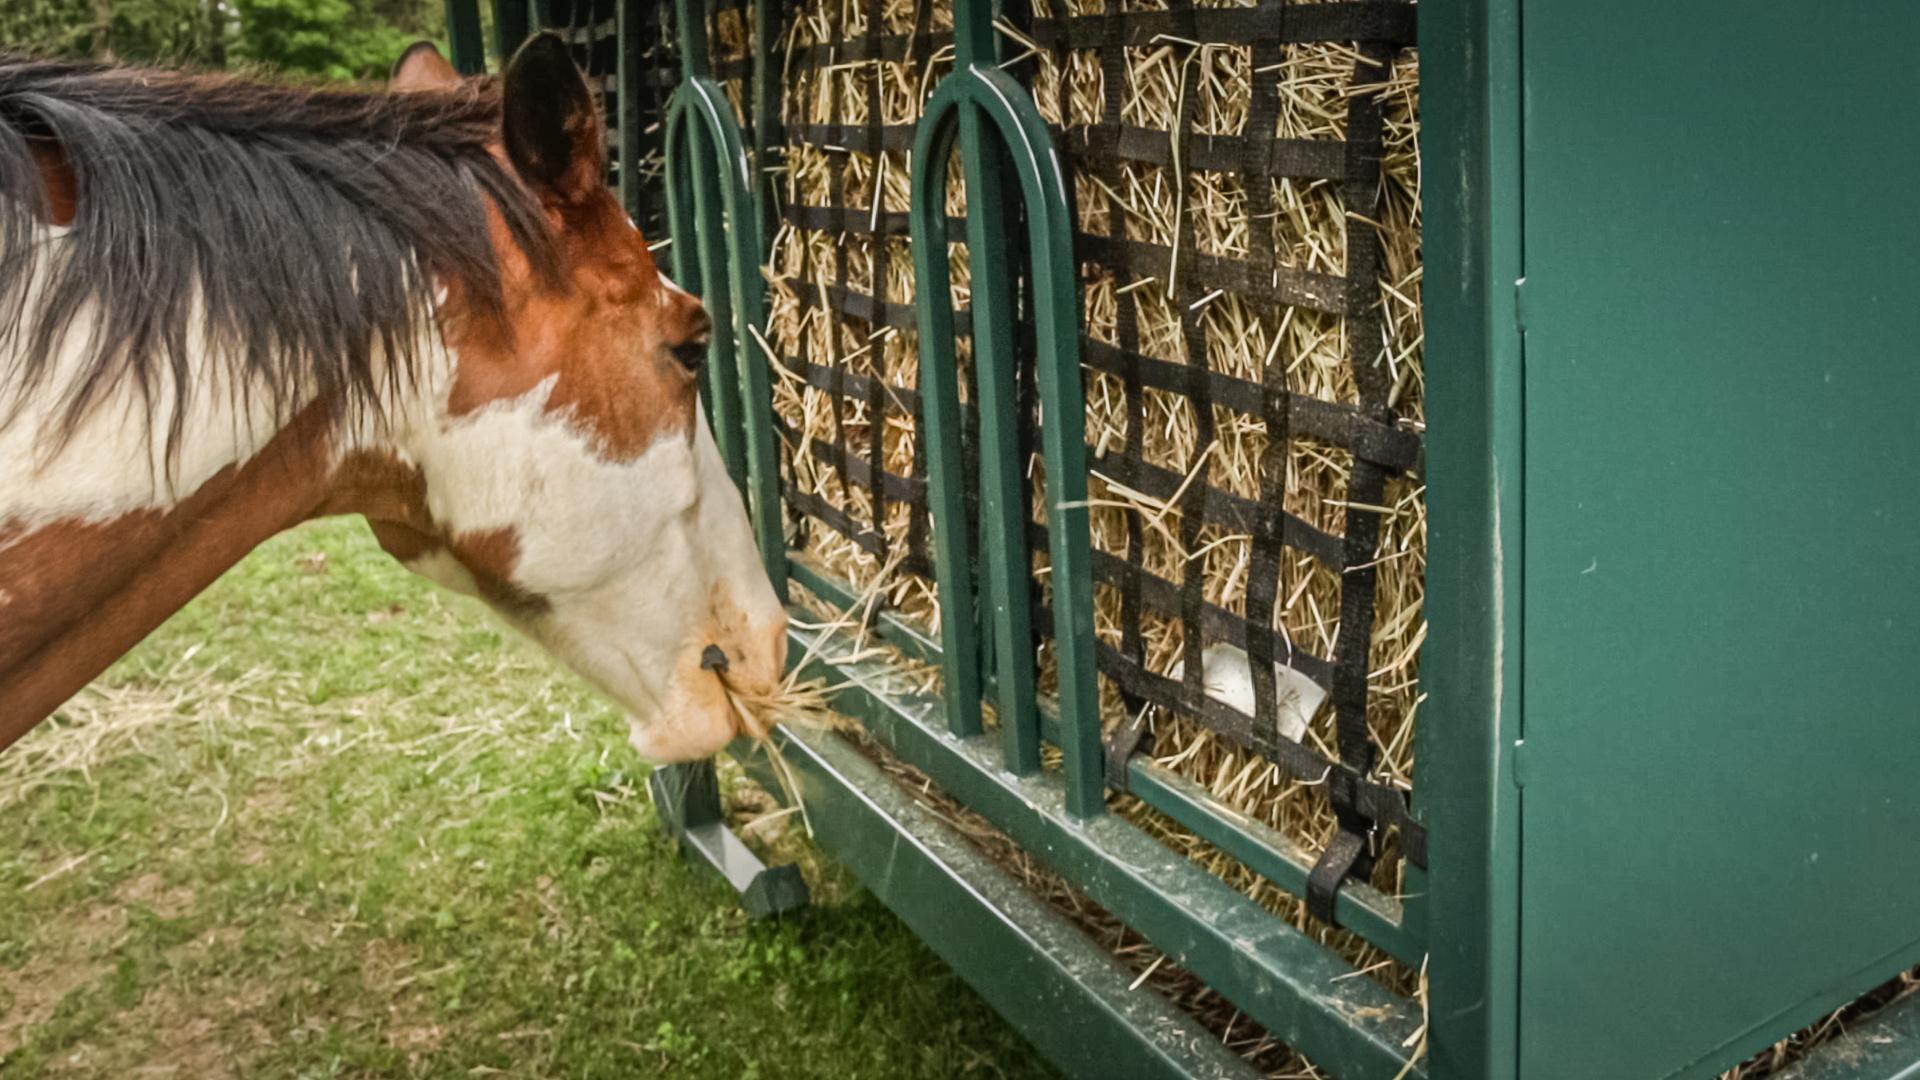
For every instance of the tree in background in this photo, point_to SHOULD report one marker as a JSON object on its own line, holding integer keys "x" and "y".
{"x": 333, "y": 39}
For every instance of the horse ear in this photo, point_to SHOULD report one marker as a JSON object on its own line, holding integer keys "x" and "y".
{"x": 551, "y": 126}
{"x": 422, "y": 67}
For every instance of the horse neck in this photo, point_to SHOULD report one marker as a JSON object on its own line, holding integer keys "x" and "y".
{"x": 105, "y": 534}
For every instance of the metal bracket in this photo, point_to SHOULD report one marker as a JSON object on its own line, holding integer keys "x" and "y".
{"x": 687, "y": 798}
{"x": 1131, "y": 737}
{"x": 1323, "y": 885}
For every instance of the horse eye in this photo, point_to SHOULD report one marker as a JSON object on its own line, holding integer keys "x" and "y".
{"x": 691, "y": 354}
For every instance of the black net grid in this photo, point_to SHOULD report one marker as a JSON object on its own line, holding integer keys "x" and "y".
{"x": 1251, "y": 364}
{"x": 842, "y": 320}
{"x": 1254, "y": 484}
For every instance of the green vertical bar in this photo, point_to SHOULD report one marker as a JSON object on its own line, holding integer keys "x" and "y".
{"x": 1057, "y": 307}
{"x": 766, "y": 113}
{"x": 940, "y": 415}
{"x": 632, "y": 49}
{"x": 1003, "y": 505}
{"x": 734, "y": 174}
{"x": 717, "y": 254}
{"x": 973, "y": 36}
{"x": 1002, "y": 130}
{"x": 691, "y": 15}
{"x": 464, "y": 38}
{"x": 543, "y": 14}
{"x": 683, "y": 253}
{"x": 1464, "y": 782}
{"x": 723, "y": 374}
{"x": 509, "y": 26}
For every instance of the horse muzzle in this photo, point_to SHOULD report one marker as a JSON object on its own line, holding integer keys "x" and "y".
{"x": 719, "y": 691}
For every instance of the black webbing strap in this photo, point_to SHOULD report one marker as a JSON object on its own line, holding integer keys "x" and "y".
{"x": 1343, "y": 425}
{"x": 1389, "y": 22}
{"x": 877, "y": 253}
{"x": 1275, "y": 401}
{"x": 851, "y": 374}
{"x": 1279, "y": 285}
{"x": 1181, "y": 282}
{"x": 849, "y": 219}
{"x": 1366, "y": 484}
{"x": 1130, "y": 580}
{"x": 1098, "y": 144}
{"x": 1336, "y": 862}
{"x": 892, "y": 48}
{"x": 1132, "y": 736}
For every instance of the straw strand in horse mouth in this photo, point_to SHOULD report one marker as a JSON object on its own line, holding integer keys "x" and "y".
{"x": 792, "y": 701}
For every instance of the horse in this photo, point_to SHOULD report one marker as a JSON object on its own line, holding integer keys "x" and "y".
{"x": 231, "y": 306}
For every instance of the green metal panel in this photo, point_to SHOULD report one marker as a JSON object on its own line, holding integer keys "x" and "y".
{"x": 1719, "y": 308}
{"x": 1463, "y": 784}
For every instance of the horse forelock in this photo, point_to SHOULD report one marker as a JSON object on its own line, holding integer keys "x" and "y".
{"x": 295, "y": 236}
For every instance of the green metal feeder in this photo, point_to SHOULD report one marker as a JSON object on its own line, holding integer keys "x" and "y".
{"x": 1668, "y": 762}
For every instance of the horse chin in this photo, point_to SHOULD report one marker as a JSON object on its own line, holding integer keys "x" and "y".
{"x": 661, "y": 743}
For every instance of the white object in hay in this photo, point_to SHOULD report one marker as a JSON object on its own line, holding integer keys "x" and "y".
{"x": 1227, "y": 677}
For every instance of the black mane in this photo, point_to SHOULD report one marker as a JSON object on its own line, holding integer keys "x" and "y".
{"x": 312, "y": 225}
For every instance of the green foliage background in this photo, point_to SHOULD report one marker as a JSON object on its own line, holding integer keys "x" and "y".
{"x": 328, "y": 39}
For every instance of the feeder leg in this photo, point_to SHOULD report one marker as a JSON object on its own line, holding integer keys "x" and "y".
{"x": 687, "y": 798}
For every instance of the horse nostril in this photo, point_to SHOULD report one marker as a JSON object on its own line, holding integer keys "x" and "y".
{"x": 714, "y": 659}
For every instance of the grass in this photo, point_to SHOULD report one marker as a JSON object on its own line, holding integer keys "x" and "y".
{"x": 337, "y": 823}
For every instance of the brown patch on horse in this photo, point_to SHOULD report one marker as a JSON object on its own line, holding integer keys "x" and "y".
{"x": 392, "y": 495}
{"x": 605, "y": 333}
{"x": 56, "y": 177}
{"x": 491, "y": 557}
{"x": 84, "y": 620}
{"x": 605, "y": 340}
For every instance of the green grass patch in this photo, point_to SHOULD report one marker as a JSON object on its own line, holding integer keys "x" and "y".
{"x": 332, "y": 822}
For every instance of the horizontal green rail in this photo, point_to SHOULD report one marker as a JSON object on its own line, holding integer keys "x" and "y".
{"x": 1366, "y": 911}
{"x": 1300, "y": 992}
{"x": 1397, "y": 926}
{"x": 1074, "y": 1001}
{"x": 891, "y": 628}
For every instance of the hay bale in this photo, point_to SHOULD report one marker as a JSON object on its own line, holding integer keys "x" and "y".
{"x": 1239, "y": 336}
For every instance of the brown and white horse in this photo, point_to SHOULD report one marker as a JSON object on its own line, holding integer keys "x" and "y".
{"x": 227, "y": 308}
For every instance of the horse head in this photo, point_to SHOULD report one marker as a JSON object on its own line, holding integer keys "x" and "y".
{"x": 564, "y": 471}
